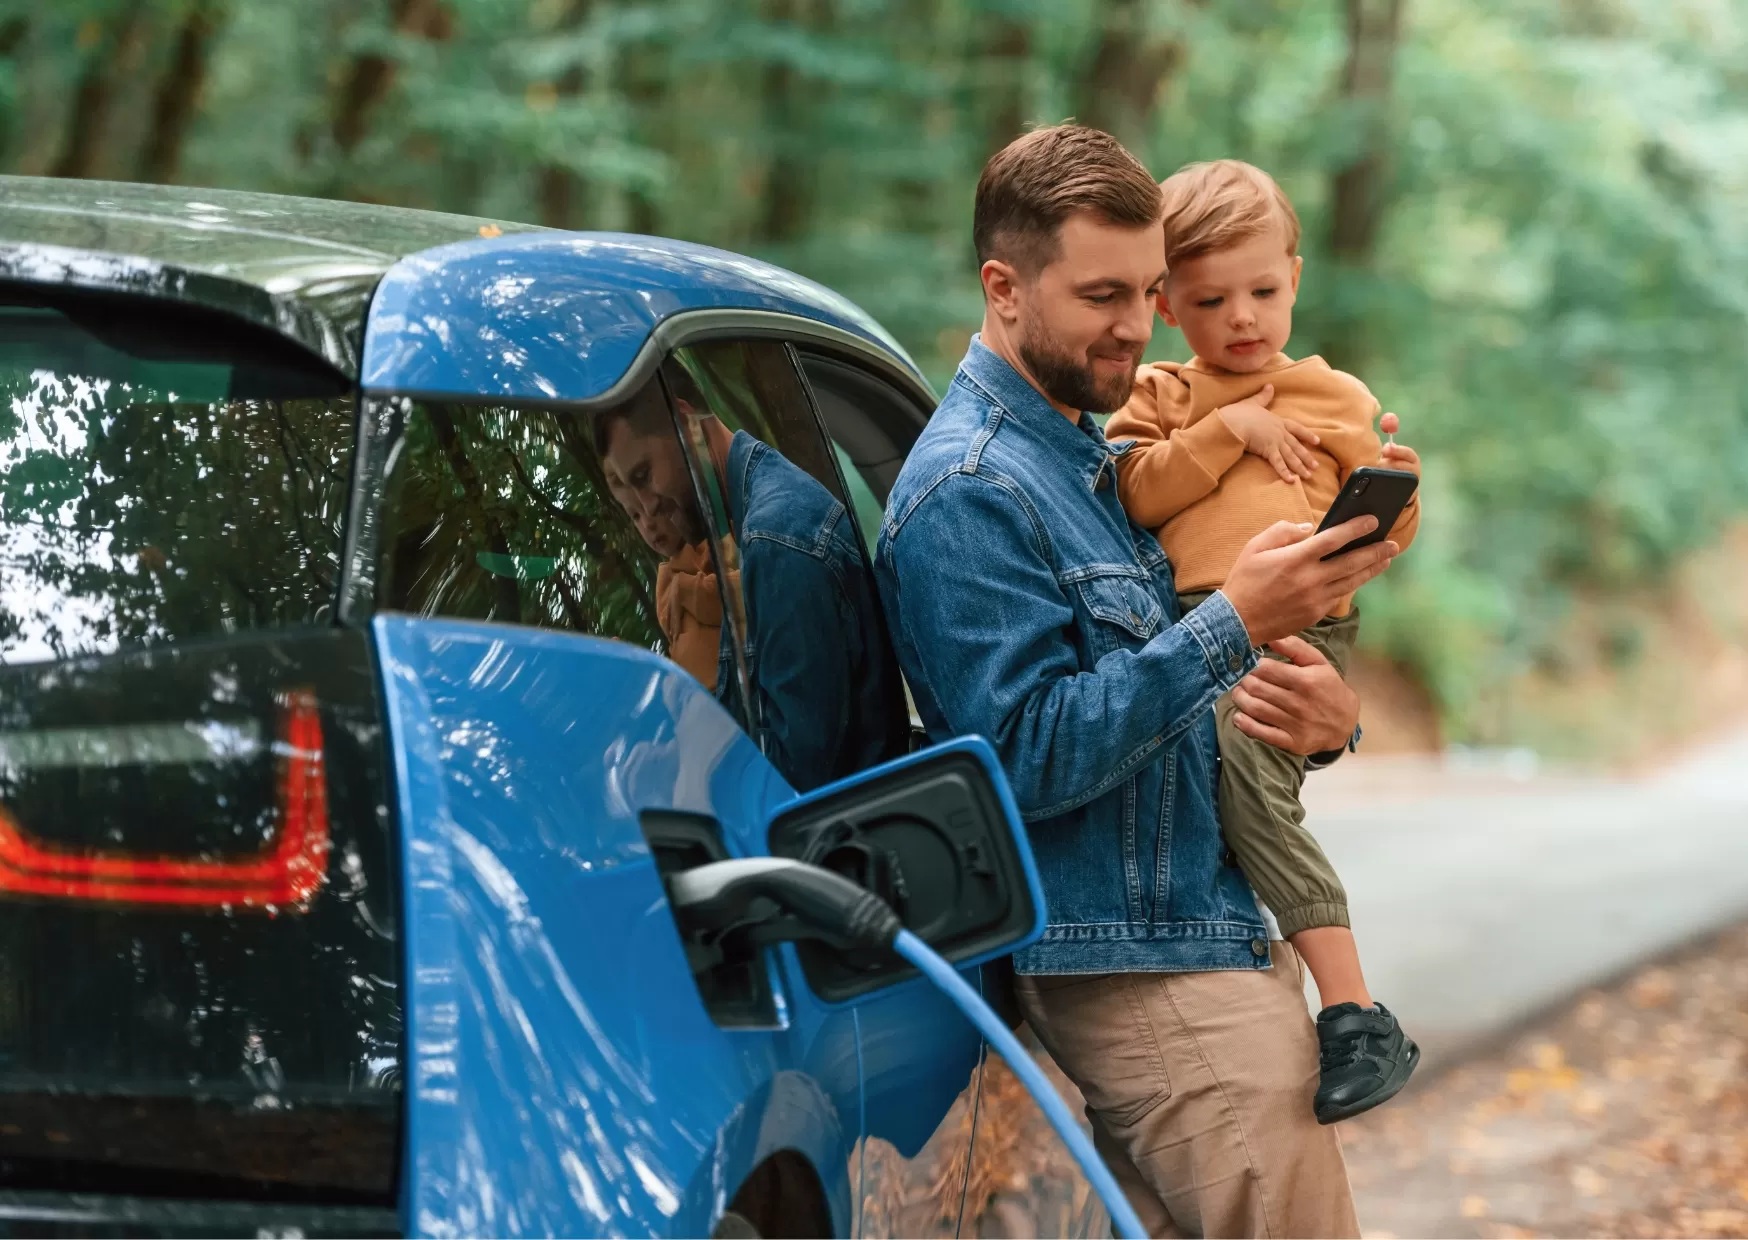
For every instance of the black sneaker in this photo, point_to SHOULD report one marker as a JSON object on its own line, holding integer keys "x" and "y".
{"x": 1366, "y": 1060}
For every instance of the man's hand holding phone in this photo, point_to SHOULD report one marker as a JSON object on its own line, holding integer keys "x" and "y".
{"x": 1280, "y": 582}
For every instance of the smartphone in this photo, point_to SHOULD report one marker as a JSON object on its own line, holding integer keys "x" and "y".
{"x": 1382, "y": 493}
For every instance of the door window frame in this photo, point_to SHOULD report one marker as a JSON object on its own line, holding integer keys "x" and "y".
{"x": 380, "y": 408}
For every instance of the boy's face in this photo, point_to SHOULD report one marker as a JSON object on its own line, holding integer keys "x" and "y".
{"x": 1235, "y": 306}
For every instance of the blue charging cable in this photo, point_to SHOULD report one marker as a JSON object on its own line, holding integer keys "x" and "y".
{"x": 805, "y": 901}
{"x": 997, "y": 1034}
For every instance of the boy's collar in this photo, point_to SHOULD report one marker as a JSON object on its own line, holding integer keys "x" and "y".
{"x": 1279, "y": 361}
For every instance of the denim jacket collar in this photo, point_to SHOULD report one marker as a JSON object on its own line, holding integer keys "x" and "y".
{"x": 1081, "y": 445}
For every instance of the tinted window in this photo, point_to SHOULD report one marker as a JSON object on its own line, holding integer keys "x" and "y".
{"x": 152, "y": 489}
{"x": 199, "y": 987}
{"x": 818, "y": 684}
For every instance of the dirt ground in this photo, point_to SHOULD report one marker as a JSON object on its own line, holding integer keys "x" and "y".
{"x": 1623, "y": 1114}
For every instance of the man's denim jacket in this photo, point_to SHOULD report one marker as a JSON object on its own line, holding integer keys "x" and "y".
{"x": 1029, "y": 609}
{"x": 826, "y": 697}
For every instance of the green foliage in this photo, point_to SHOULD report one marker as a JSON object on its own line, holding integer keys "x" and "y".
{"x": 1554, "y": 295}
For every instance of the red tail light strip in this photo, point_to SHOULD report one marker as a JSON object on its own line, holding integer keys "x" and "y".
{"x": 287, "y": 875}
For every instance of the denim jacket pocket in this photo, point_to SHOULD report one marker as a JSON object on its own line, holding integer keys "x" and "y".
{"x": 1127, "y": 602}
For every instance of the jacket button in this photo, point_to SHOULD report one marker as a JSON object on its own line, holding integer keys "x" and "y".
{"x": 1134, "y": 619}
{"x": 1234, "y": 662}
{"x": 1259, "y": 948}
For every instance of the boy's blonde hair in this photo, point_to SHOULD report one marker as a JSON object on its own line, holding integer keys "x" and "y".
{"x": 1214, "y": 206}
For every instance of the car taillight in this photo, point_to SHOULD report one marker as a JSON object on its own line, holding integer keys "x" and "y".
{"x": 282, "y": 876}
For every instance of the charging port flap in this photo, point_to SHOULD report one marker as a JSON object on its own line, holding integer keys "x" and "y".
{"x": 936, "y": 836}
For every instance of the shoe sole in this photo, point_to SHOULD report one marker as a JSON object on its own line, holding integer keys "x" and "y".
{"x": 1388, "y": 1090}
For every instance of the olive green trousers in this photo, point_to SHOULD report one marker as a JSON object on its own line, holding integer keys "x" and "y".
{"x": 1261, "y": 815}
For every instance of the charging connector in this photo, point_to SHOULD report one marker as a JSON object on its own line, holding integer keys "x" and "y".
{"x": 776, "y": 900}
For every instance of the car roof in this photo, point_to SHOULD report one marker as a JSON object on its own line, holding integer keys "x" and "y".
{"x": 448, "y": 304}
{"x": 585, "y": 316}
{"x": 302, "y": 267}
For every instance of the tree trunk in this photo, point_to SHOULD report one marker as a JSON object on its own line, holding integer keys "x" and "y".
{"x": 178, "y": 96}
{"x": 371, "y": 75}
{"x": 1374, "y": 28}
{"x": 1006, "y": 51}
{"x": 12, "y": 35}
{"x": 111, "y": 65}
{"x": 1129, "y": 70}
{"x": 559, "y": 188}
{"x": 787, "y": 201}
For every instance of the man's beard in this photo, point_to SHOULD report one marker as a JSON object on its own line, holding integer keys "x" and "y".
{"x": 1069, "y": 380}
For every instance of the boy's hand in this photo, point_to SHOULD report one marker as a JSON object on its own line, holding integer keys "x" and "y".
{"x": 1280, "y": 441}
{"x": 1397, "y": 456}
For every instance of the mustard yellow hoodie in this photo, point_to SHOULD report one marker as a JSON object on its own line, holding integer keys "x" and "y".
{"x": 1189, "y": 479}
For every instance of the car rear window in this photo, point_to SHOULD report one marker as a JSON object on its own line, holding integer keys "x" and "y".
{"x": 162, "y": 477}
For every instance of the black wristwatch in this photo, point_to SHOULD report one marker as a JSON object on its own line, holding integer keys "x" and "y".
{"x": 1317, "y": 761}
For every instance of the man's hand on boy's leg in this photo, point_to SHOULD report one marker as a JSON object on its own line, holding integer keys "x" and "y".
{"x": 1303, "y": 707}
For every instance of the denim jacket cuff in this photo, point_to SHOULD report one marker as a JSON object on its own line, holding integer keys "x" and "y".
{"x": 1224, "y": 640}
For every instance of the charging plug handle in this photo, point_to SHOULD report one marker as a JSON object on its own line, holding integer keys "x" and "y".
{"x": 776, "y": 899}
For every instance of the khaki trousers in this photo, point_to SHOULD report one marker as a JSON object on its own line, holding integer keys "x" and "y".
{"x": 1199, "y": 1089}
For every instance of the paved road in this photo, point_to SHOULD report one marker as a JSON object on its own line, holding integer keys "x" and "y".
{"x": 1481, "y": 894}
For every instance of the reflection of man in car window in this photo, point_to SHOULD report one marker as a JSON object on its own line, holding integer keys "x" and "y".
{"x": 820, "y": 691}
{"x": 688, "y": 601}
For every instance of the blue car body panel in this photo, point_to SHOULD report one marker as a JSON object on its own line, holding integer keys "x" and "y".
{"x": 561, "y": 316}
{"x": 563, "y": 1074}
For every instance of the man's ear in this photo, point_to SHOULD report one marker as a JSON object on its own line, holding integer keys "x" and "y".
{"x": 1163, "y": 303}
{"x": 1001, "y": 289}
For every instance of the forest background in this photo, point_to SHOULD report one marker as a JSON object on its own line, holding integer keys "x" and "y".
{"x": 1526, "y": 227}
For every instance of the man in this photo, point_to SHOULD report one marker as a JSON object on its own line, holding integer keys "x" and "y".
{"x": 825, "y": 699}
{"x": 1027, "y": 608}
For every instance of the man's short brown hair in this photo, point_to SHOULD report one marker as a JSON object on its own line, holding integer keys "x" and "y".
{"x": 1214, "y": 206}
{"x": 1041, "y": 178}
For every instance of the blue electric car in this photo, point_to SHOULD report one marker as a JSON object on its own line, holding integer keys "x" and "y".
{"x": 389, "y": 603}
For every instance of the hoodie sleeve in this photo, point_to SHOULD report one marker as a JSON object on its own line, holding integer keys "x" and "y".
{"x": 1174, "y": 462}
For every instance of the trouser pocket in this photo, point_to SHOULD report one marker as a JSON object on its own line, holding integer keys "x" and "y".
{"x": 1097, "y": 1029}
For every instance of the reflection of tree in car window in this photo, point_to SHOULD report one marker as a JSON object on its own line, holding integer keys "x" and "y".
{"x": 506, "y": 514}
{"x": 149, "y": 492}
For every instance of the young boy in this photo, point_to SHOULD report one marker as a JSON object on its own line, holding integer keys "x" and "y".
{"x": 1226, "y": 444}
